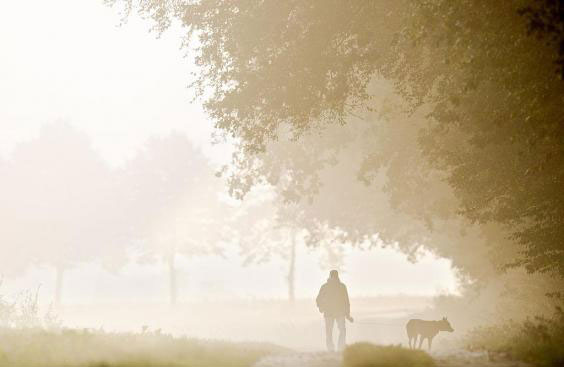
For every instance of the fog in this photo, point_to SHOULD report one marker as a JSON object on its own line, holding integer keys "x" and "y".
{"x": 75, "y": 122}
{"x": 197, "y": 169}
{"x": 146, "y": 244}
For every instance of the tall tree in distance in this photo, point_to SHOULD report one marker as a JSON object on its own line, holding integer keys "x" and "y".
{"x": 61, "y": 203}
{"x": 265, "y": 226}
{"x": 174, "y": 202}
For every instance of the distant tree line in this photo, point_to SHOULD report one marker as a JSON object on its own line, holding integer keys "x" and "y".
{"x": 63, "y": 206}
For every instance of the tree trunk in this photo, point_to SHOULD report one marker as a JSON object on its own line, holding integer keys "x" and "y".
{"x": 59, "y": 285}
{"x": 292, "y": 269}
{"x": 172, "y": 279}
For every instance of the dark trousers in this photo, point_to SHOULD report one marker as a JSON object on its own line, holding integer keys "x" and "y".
{"x": 329, "y": 323}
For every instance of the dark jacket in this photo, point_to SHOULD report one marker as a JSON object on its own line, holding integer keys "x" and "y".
{"x": 333, "y": 299}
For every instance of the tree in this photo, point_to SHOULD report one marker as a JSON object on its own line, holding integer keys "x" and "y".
{"x": 174, "y": 201}
{"x": 489, "y": 92}
{"x": 496, "y": 121}
{"x": 264, "y": 226}
{"x": 404, "y": 203}
{"x": 62, "y": 208}
{"x": 546, "y": 20}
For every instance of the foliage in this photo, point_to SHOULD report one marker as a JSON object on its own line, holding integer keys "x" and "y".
{"x": 62, "y": 205}
{"x": 24, "y": 312}
{"x": 91, "y": 348}
{"x": 546, "y": 21}
{"x": 60, "y": 187}
{"x": 370, "y": 355}
{"x": 538, "y": 341}
{"x": 495, "y": 124}
{"x": 429, "y": 123}
{"x": 61, "y": 208}
{"x": 490, "y": 102}
{"x": 172, "y": 198}
{"x": 265, "y": 225}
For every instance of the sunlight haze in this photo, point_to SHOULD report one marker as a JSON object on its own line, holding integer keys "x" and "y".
{"x": 274, "y": 183}
{"x": 120, "y": 84}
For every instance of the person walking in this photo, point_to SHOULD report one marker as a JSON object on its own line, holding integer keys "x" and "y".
{"x": 333, "y": 302}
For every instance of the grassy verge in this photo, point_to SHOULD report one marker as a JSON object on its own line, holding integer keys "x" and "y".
{"x": 30, "y": 348}
{"x": 370, "y": 355}
{"x": 539, "y": 341}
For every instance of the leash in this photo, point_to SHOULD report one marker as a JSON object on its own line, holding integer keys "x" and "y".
{"x": 376, "y": 323}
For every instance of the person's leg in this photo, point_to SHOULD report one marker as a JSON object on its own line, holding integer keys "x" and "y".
{"x": 329, "y": 333}
{"x": 342, "y": 332}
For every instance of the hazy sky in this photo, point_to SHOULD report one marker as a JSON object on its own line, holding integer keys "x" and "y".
{"x": 69, "y": 60}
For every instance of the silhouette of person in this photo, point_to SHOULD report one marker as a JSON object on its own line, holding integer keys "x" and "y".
{"x": 333, "y": 303}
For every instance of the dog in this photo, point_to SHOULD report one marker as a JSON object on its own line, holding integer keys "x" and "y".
{"x": 427, "y": 329}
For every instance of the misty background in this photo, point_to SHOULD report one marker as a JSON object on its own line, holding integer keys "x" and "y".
{"x": 197, "y": 168}
{"x": 77, "y": 90}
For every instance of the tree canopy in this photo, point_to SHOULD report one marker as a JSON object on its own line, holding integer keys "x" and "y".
{"x": 173, "y": 201}
{"x": 484, "y": 96}
{"x": 61, "y": 204}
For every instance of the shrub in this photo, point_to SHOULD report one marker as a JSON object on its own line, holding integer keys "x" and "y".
{"x": 370, "y": 355}
{"x": 23, "y": 311}
{"x": 86, "y": 348}
{"x": 538, "y": 341}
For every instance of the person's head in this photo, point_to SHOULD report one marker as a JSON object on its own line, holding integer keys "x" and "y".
{"x": 334, "y": 275}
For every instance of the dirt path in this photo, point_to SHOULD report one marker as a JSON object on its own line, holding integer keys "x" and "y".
{"x": 324, "y": 359}
{"x": 317, "y": 359}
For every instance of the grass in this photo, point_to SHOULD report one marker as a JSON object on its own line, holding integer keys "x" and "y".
{"x": 539, "y": 341}
{"x": 370, "y": 355}
{"x": 66, "y": 348}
